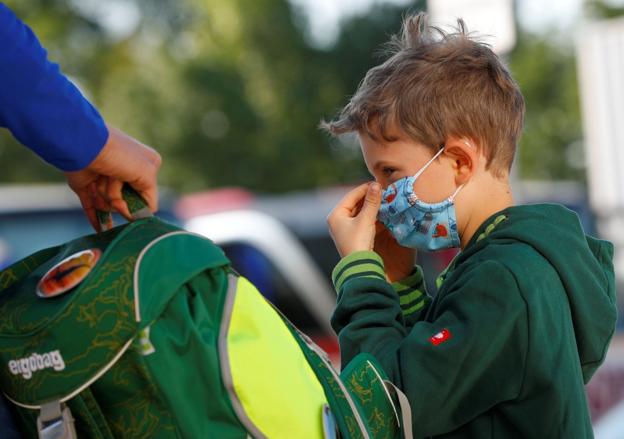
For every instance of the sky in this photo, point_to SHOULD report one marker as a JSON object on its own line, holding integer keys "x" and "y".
{"x": 324, "y": 15}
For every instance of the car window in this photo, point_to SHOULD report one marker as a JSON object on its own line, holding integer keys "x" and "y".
{"x": 24, "y": 233}
{"x": 259, "y": 270}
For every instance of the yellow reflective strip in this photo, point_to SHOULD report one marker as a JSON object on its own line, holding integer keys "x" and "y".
{"x": 272, "y": 378}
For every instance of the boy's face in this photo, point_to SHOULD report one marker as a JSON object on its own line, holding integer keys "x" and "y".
{"x": 388, "y": 162}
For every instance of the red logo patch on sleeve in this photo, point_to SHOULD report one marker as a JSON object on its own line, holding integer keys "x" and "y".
{"x": 440, "y": 337}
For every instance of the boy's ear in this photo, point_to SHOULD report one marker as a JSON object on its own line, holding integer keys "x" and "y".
{"x": 465, "y": 156}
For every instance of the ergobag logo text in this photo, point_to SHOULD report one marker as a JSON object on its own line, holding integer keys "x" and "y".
{"x": 28, "y": 365}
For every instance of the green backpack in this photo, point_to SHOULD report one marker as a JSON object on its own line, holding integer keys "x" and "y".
{"x": 145, "y": 331}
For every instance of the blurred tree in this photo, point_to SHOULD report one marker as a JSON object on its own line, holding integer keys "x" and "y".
{"x": 603, "y": 9}
{"x": 551, "y": 147}
{"x": 231, "y": 92}
{"x": 552, "y": 135}
{"x": 63, "y": 32}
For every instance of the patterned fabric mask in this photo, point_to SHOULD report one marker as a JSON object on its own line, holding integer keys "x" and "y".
{"x": 414, "y": 223}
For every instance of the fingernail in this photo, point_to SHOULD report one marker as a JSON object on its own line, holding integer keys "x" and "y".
{"x": 374, "y": 188}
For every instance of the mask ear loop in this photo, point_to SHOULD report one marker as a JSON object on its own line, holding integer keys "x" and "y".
{"x": 452, "y": 197}
{"x": 417, "y": 174}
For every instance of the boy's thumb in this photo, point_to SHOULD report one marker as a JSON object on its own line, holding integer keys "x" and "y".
{"x": 372, "y": 201}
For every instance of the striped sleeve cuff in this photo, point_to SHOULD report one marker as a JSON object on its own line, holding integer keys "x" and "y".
{"x": 411, "y": 292}
{"x": 359, "y": 264}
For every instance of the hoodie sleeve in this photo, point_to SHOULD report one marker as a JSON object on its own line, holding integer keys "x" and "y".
{"x": 413, "y": 297}
{"x": 40, "y": 106}
{"x": 411, "y": 291}
{"x": 469, "y": 358}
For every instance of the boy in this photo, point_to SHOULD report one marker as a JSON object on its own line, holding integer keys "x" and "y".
{"x": 525, "y": 312}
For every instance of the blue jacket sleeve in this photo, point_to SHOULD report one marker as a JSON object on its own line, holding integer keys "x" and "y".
{"x": 40, "y": 106}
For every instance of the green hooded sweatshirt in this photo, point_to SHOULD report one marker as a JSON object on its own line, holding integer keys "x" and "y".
{"x": 522, "y": 319}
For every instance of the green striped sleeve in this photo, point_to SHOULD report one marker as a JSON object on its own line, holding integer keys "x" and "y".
{"x": 410, "y": 296}
{"x": 413, "y": 308}
{"x": 414, "y": 280}
{"x": 358, "y": 264}
{"x": 411, "y": 292}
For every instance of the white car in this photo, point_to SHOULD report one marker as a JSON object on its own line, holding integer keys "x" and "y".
{"x": 273, "y": 256}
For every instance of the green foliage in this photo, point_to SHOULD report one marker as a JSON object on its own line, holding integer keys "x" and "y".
{"x": 231, "y": 93}
{"x": 547, "y": 77}
{"x": 601, "y": 9}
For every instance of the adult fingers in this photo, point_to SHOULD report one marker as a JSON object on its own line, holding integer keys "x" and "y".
{"x": 115, "y": 197}
{"x": 128, "y": 160}
{"x": 147, "y": 183}
{"x": 100, "y": 195}
{"x": 149, "y": 193}
{"x": 86, "y": 200}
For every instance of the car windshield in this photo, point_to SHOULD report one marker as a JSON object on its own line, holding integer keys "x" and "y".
{"x": 24, "y": 233}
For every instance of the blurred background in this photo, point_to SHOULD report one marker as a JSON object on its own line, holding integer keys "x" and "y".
{"x": 231, "y": 92}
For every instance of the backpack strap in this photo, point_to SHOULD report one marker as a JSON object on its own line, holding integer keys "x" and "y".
{"x": 91, "y": 419}
{"x": 55, "y": 421}
{"x": 136, "y": 205}
{"x": 406, "y": 410}
{"x": 366, "y": 380}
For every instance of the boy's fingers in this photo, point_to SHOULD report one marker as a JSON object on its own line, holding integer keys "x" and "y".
{"x": 371, "y": 202}
{"x": 350, "y": 201}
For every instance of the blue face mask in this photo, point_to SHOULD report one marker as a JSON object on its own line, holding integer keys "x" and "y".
{"x": 414, "y": 223}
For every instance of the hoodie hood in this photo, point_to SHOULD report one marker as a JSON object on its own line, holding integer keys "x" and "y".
{"x": 584, "y": 265}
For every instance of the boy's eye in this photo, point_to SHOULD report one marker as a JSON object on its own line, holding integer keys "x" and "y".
{"x": 387, "y": 172}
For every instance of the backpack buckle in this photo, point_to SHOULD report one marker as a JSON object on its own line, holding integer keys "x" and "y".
{"x": 55, "y": 422}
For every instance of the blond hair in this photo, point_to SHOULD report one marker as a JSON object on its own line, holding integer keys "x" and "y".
{"x": 435, "y": 85}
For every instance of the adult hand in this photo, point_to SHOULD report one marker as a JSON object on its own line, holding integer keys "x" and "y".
{"x": 121, "y": 160}
{"x": 398, "y": 261}
{"x": 352, "y": 222}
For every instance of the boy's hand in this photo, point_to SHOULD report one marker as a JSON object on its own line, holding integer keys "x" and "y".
{"x": 398, "y": 261}
{"x": 352, "y": 222}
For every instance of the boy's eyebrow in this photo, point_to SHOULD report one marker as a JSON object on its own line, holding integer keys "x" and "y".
{"x": 381, "y": 163}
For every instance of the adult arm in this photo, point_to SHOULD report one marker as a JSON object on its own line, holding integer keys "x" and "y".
{"x": 40, "y": 106}
{"x": 49, "y": 115}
